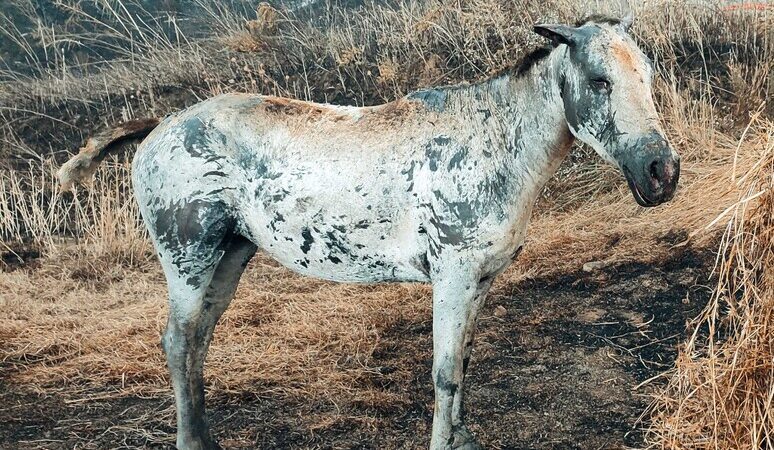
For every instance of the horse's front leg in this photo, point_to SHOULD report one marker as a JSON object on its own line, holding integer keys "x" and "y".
{"x": 458, "y": 410}
{"x": 456, "y": 300}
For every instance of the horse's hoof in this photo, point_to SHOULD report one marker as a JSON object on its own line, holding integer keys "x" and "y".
{"x": 464, "y": 439}
{"x": 201, "y": 443}
{"x": 469, "y": 446}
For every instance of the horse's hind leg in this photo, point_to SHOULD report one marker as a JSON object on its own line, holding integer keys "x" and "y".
{"x": 203, "y": 261}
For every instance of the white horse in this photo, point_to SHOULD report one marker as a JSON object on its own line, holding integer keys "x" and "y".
{"x": 435, "y": 187}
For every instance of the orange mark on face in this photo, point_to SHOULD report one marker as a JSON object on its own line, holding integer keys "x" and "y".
{"x": 624, "y": 55}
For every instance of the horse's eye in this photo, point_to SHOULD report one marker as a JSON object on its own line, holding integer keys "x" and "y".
{"x": 600, "y": 84}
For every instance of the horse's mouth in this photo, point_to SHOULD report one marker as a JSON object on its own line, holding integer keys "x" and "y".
{"x": 639, "y": 196}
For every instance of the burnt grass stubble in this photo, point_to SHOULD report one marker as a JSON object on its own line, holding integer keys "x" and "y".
{"x": 556, "y": 369}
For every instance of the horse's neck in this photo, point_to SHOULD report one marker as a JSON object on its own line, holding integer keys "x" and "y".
{"x": 531, "y": 121}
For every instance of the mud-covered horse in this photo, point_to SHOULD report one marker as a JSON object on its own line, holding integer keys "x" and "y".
{"x": 435, "y": 187}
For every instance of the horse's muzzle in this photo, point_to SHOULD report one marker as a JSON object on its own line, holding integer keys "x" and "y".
{"x": 653, "y": 173}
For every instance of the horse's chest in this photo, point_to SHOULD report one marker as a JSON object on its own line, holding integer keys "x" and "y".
{"x": 503, "y": 246}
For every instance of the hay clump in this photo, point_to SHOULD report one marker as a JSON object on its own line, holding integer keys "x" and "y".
{"x": 720, "y": 394}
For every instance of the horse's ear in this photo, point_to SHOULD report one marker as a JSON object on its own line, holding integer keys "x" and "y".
{"x": 558, "y": 34}
{"x": 628, "y": 15}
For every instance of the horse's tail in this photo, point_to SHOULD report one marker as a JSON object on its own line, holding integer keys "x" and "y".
{"x": 82, "y": 166}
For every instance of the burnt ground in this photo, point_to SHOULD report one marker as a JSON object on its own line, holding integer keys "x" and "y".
{"x": 555, "y": 366}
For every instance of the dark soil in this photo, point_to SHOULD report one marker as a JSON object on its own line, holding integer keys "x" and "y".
{"x": 20, "y": 257}
{"x": 555, "y": 366}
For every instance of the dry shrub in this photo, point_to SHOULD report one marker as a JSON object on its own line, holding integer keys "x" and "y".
{"x": 104, "y": 218}
{"x": 751, "y": 85}
{"x": 721, "y": 393}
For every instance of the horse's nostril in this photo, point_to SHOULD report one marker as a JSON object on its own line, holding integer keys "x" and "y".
{"x": 654, "y": 173}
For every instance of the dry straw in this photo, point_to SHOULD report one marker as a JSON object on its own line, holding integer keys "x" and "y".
{"x": 721, "y": 393}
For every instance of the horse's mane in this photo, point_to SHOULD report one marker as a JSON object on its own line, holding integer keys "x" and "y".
{"x": 529, "y": 60}
{"x": 598, "y": 18}
{"x": 522, "y": 66}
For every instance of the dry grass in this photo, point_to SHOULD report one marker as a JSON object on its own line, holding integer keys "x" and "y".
{"x": 721, "y": 393}
{"x": 90, "y": 311}
{"x": 283, "y": 333}
{"x": 104, "y": 219}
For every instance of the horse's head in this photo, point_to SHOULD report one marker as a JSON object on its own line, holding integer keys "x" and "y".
{"x": 606, "y": 88}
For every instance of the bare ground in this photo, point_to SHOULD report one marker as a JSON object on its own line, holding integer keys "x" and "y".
{"x": 555, "y": 366}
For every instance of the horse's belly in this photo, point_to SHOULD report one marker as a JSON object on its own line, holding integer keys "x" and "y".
{"x": 343, "y": 240}
{"x": 334, "y": 255}
{"x": 353, "y": 268}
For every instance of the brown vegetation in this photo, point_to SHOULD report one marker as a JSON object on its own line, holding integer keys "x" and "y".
{"x": 85, "y": 316}
{"x": 721, "y": 392}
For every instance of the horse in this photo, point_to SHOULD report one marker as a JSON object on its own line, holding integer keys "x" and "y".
{"x": 435, "y": 187}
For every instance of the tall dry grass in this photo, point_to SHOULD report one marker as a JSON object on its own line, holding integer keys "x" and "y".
{"x": 720, "y": 395}
{"x": 103, "y": 222}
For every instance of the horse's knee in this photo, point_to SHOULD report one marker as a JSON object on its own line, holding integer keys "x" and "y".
{"x": 174, "y": 350}
{"x": 173, "y": 340}
{"x": 446, "y": 382}
{"x": 179, "y": 335}
{"x": 447, "y": 368}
